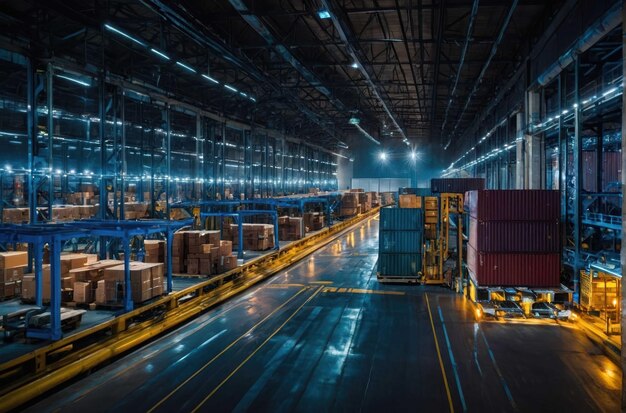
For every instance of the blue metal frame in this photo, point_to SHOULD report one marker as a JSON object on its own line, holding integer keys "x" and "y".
{"x": 38, "y": 235}
{"x": 125, "y": 230}
{"x": 239, "y": 216}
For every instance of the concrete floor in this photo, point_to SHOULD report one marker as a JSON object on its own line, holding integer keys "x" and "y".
{"x": 326, "y": 336}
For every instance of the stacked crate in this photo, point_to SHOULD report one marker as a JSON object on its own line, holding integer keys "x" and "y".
{"x": 313, "y": 221}
{"x": 410, "y": 201}
{"x": 400, "y": 242}
{"x": 154, "y": 251}
{"x": 365, "y": 200}
{"x": 375, "y": 199}
{"x": 387, "y": 198}
{"x": 256, "y": 237}
{"x": 349, "y": 204}
{"x": 291, "y": 228}
{"x": 514, "y": 238}
{"x": 12, "y": 266}
{"x": 146, "y": 282}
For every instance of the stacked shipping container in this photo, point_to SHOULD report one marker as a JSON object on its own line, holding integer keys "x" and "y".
{"x": 514, "y": 238}
{"x": 400, "y": 242}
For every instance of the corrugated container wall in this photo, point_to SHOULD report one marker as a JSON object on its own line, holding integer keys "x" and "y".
{"x": 401, "y": 242}
{"x": 514, "y": 236}
{"x": 513, "y": 205}
{"x": 400, "y": 265}
{"x": 456, "y": 185}
{"x": 404, "y": 219}
{"x": 514, "y": 270}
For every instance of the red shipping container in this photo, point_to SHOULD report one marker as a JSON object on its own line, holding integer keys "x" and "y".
{"x": 514, "y": 236}
{"x": 514, "y": 205}
{"x": 514, "y": 269}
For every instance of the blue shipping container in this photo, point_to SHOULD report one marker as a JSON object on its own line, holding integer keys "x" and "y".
{"x": 403, "y": 219}
{"x": 400, "y": 242}
{"x": 399, "y": 265}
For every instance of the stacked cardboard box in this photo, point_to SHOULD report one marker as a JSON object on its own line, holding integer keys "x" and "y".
{"x": 69, "y": 262}
{"x": 134, "y": 210}
{"x": 291, "y": 228}
{"x": 256, "y": 237}
{"x": 146, "y": 282}
{"x": 356, "y": 190}
{"x": 387, "y": 198}
{"x": 85, "y": 279}
{"x": 375, "y": 199}
{"x": 12, "y": 266}
{"x": 154, "y": 251}
{"x": 314, "y": 191}
{"x": 178, "y": 253}
{"x": 15, "y": 215}
{"x": 410, "y": 201}
{"x": 365, "y": 200}
{"x": 350, "y": 204}
{"x": 201, "y": 253}
{"x": 313, "y": 221}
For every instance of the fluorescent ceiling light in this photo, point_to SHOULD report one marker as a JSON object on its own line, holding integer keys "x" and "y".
{"x": 354, "y": 120}
{"x": 77, "y": 81}
{"x": 121, "y": 33}
{"x": 354, "y": 65}
{"x": 252, "y": 99}
{"x": 209, "y": 78}
{"x": 243, "y": 94}
{"x": 229, "y": 87}
{"x": 184, "y": 66}
{"x": 323, "y": 14}
{"x": 163, "y": 55}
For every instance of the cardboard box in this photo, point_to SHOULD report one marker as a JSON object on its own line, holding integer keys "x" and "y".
{"x": 226, "y": 247}
{"x": 206, "y": 248}
{"x": 192, "y": 266}
{"x": 73, "y": 261}
{"x": 205, "y": 266}
{"x": 107, "y": 292}
{"x": 83, "y": 292}
{"x": 8, "y": 275}
{"x": 8, "y": 290}
{"x": 12, "y": 259}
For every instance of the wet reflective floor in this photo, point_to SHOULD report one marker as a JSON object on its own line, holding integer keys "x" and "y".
{"x": 326, "y": 336}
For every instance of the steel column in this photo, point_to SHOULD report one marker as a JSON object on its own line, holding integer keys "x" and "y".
{"x": 168, "y": 160}
{"x": 623, "y": 181}
{"x": 50, "y": 85}
{"x": 577, "y": 154}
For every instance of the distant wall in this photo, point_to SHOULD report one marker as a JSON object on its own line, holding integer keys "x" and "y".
{"x": 345, "y": 173}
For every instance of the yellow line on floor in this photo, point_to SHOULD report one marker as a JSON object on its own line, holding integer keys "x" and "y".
{"x": 361, "y": 291}
{"x": 443, "y": 371}
{"x": 226, "y": 349}
{"x": 283, "y": 285}
{"x": 197, "y": 408}
{"x": 321, "y": 282}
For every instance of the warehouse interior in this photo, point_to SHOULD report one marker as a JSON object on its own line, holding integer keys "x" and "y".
{"x": 171, "y": 162}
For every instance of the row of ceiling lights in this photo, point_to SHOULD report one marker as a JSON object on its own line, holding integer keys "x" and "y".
{"x": 607, "y": 95}
{"x": 165, "y": 57}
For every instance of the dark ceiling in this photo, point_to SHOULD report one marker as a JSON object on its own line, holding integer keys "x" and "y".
{"x": 415, "y": 69}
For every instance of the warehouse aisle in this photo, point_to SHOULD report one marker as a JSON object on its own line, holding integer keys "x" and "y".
{"x": 326, "y": 336}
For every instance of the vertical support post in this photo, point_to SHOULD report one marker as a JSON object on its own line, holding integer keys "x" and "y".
{"x": 123, "y": 156}
{"x": 38, "y": 253}
{"x": 31, "y": 118}
{"x": 128, "y": 299}
{"x": 49, "y": 95}
{"x": 282, "y": 165}
{"x": 578, "y": 176}
{"x": 276, "y": 238}
{"x": 266, "y": 169}
{"x": 168, "y": 158}
{"x": 170, "y": 250}
{"x": 199, "y": 161}
{"x": 103, "y": 155}
{"x": 240, "y": 235}
{"x": 623, "y": 179}
{"x": 223, "y": 162}
{"x": 55, "y": 289}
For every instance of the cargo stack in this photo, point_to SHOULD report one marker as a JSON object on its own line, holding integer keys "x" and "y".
{"x": 514, "y": 238}
{"x": 291, "y": 228}
{"x": 400, "y": 243}
{"x": 386, "y": 198}
{"x": 365, "y": 200}
{"x": 256, "y": 237}
{"x": 410, "y": 201}
{"x": 313, "y": 221}
{"x": 12, "y": 265}
{"x": 154, "y": 251}
{"x": 375, "y": 199}
{"x": 349, "y": 204}
{"x": 146, "y": 282}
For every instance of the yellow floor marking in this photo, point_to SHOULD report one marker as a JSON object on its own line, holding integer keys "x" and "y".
{"x": 443, "y": 371}
{"x": 225, "y": 350}
{"x": 197, "y": 408}
{"x": 321, "y": 282}
{"x": 361, "y": 291}
{"x": 283, "y": 285}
